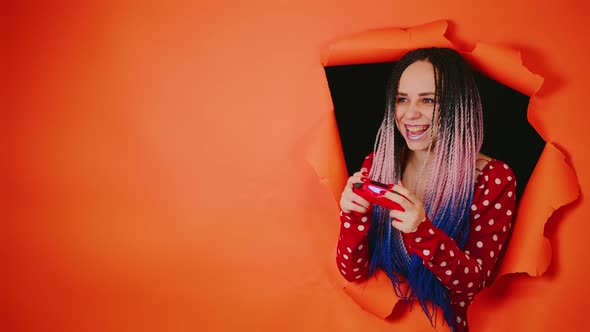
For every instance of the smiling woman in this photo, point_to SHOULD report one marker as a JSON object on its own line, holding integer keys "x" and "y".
{"x": 416, "y": 105}
{"x": 456, "y": 204}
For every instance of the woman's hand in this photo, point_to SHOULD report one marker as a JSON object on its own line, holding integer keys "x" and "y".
{"x": 406, "y": 221}
{"x": 350, "y": 201}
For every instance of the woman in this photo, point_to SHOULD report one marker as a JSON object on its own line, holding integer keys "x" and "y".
{"x": 458, "y": 204}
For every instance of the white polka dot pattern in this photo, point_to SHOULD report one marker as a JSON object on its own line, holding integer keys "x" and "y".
{"x": 463, "y": 271}
{"x": 353, "y": 231}
{"x": 490, "y": 219}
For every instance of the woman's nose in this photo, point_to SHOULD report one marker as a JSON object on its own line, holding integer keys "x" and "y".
{"x": 413, "y": 112}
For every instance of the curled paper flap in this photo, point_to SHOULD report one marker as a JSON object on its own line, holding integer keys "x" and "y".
{"x": 528, "y": 251}
{"x": 552, "y": 185}
{"x": 384, "y": 45}
{"x": 374, "y": 295}
{"x": 505, "y": 66}
{"x": 321, "y": 149}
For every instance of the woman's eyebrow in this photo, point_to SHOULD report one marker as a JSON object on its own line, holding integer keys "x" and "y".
{"x": 420, "y": 94}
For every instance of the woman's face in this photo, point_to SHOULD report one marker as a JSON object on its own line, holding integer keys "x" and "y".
{"x": 415, "y": 104}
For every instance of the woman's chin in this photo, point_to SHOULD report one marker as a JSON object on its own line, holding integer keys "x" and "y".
{"x": 416, "y": 148}
{"x": 417, "y": 145}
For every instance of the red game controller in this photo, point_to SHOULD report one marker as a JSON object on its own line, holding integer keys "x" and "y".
{"x": 374, "y": 192}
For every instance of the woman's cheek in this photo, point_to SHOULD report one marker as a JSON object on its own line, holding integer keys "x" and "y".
{"x": 397, "y": 124}
{"x": 399, "y": 113}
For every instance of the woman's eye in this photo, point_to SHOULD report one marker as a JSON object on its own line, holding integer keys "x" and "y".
{"x": 402, "y": 99}
{"x": 429, "y": 100}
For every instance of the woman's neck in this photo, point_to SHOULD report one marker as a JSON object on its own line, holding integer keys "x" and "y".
{"x": 416, "y": 159}
{"x": 415, "y": 171}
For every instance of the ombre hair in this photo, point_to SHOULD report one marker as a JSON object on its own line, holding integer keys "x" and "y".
{"x": 454, "y": 145}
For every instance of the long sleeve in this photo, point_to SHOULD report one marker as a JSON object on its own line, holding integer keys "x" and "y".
{"x": 352, "y": 252}
{"x": 465, "y": 272}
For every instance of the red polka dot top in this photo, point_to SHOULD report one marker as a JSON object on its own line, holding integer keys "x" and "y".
{"x": 462, "y": 272}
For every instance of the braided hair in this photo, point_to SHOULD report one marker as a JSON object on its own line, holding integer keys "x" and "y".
{"x": 448, "y": 194}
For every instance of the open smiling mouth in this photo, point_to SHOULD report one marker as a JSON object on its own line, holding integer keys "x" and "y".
{"x": 416, "y": 132}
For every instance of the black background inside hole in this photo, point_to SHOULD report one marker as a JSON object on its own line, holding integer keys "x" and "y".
{"x": 358, "y": 95}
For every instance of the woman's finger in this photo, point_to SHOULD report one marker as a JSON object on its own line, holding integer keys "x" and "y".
{"x": 352, "y": 206}
{"x": 360, "y": 175}
{"x": 401, "y": 190}
{"x": 350, "y": 180}
{"x": 401, "y": 226}
{"x": 356, "y": 177}
{"x": 399, "y": 221}
{"x": 397, "y": 216}
{"x": 399, "y": 199}
{"x": 355, "y": 198}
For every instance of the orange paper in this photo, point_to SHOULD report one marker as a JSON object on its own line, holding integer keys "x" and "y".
{"x": 553, "y": 183}
{"x": 173, "y": 165}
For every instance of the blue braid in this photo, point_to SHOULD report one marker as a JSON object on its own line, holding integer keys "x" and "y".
{"x": 389, "y": 253}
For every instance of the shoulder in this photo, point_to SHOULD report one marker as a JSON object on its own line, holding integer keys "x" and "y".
{"x": 493, "y": 174}
{"x": 481, "y": 162}
{"x": 486, "y": 165}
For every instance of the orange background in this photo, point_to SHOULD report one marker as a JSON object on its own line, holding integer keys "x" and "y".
{"x": 154, "y": 181}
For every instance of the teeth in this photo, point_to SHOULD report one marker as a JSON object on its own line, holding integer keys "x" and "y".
{"x": 416, "y": 132}
{"x": 416, "y": 129}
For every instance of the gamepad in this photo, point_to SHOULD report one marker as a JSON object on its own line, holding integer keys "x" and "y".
{"x": 374, "y": 192}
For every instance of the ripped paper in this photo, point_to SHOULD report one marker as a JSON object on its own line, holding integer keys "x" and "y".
{"x": 553, "y": 183}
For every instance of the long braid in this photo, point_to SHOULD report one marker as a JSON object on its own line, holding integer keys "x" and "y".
{"x": 456, "y": 138}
